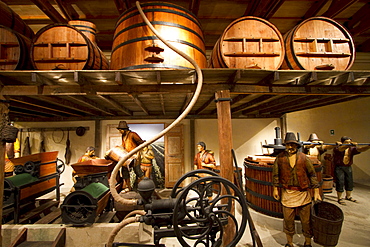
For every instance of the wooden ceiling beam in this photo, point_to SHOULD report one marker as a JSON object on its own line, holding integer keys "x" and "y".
{"x": 39, "y": 105}
{"x": 358, "y": 16}
{"x": 315, "y": 8}
{"x": 115, "y": 105}
{"x": 122, "y": 5}
{"x": 136, "y": 99}
{"x": 66, "y": 10}
{"x": 205, "y": 105}
{"x": 194, "y": 6}
{"x": 161, "y": 98}
{"x": 90, "y": 103}
{"x": 59, "y": 101}
{"x": 336, "y": 7}
{"x": 49, "y": 10}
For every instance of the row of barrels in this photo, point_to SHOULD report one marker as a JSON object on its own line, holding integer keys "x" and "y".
{"x": 247, "y": 43}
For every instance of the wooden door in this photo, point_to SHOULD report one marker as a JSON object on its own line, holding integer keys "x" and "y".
{"x": 174, "y": 155}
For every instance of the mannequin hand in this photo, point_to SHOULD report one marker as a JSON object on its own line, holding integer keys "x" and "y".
{"x": 276, "y": 194}
{"x": 316, "y": 195}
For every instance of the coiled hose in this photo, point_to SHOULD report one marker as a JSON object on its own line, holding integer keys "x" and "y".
{"x": 159, "y": 135}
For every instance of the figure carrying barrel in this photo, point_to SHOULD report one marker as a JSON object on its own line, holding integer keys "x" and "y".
{"x": 295, "y": 172}
{"x": 130, "y": 140}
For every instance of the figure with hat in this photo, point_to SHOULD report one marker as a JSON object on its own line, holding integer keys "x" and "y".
{"x": 204, "y": 159}
{"x": 316, "y": 148}
{"x": 130, "y": 140}
{"x": 343, "y": 159}
{"x": 294, "y": 172}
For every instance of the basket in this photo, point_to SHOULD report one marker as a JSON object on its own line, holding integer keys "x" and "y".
{"x": 9, "y": 134}
{"x": 326, "y": 221}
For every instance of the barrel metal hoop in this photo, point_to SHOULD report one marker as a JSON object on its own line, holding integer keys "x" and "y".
{"x": 258, "y": 181}
{"x": 164, "y": 23}
{"x": 155, "y": 38}
{"x": 160, "y": 10}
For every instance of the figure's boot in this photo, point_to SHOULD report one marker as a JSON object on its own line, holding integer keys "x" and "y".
{"x": 307, "y": 242}
{"x": 349, "y": 197}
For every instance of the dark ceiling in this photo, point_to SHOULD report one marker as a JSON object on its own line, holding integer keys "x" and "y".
{"x": 88, "y": 95}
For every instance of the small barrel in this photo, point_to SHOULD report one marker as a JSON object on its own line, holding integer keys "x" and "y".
{"x": 258, "y": 184}
{"x": 135, "y": 46}
{"x": 326, "y": 222}
{"x": 249, "y": 43}
{"x": 327, "y": 184}
{"x": 15, "y": 50}
{"x": 62, "y": 46}
{"x": 13, "y": 21}
{"x": 117, "y": 153}
{"x": 86, "y": 27}
{"x": 318, "y": 43}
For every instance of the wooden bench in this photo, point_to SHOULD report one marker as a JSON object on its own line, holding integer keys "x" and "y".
{"x": 21, "y": 240}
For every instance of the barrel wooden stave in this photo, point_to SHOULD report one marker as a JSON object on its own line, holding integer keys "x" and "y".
{"x": 317, "y": 42}
{"x": 15, "y": 50}
{"x": 61, "y": 46}
{"x": 176, "y": 25}
{"x": 13, "y": 21}
{"x": 249, "y": 42}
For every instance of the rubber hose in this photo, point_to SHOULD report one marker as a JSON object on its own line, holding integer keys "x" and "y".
{"x": 194, "y": 99}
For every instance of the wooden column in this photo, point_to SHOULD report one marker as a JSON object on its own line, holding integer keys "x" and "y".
{"x": 225, "y": 146}
{"x": 3, "y": 109}
{"x": 225, "y": 134}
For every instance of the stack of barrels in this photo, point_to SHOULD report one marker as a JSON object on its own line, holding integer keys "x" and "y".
{"x": 69, "y": 46}
{"x": 249, "y": 42}
{"x": 318, "y": 43}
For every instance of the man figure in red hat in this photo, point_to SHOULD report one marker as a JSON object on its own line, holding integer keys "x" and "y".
{"x": 294, "y": 172}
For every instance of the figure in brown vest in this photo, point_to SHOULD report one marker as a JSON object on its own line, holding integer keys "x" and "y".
{"x": 294, "y": 172}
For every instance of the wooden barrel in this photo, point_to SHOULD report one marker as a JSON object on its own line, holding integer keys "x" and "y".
{"x": 62, "y": 46}
{"x": 249, "y": 43}
{"x": 117, "y": 153}
{"x": 327, "y": 184}
{"x": 318, "y": 43}
{"x": 86, "y": 27}
{"x": 258, "y": 184}
{"x": 12, "y": 20}
{"x": 15, "y": 50}
{"x": 136, "y": 47}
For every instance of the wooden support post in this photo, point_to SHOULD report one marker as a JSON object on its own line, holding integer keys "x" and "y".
{"x": 3, "y": 109}
{"x": 225, "y": 146}
{"x": 225, "y": 134}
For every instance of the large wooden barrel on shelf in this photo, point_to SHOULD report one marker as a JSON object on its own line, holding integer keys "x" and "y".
{"x": 62, "y": 46}
{"x": 258, "y": 184}
{"x": 135, "y": 46}
{"x": 249, "y": 43}
{"x": 13, "y": 21}
{"x": 86, "y": 27}
{"x": 15, "y": 50}
{"x": 318, "y": 43}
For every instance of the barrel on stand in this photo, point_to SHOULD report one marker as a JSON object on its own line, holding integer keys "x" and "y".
{"x": 14, "y": 50}
{"x": 249, "y": 43}
{"x": 136, "y": 47}
{"x": 258, "y": 184}
{"x": 318, "y": 43}
{"x": 62, "y": 46}
{"x": 13, "y": 21}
